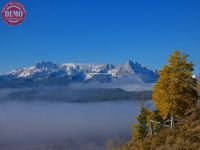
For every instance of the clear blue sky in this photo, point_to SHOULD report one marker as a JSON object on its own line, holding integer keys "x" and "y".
{"x": 102, "y": 31}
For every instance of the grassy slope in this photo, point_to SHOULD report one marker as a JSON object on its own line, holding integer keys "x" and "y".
{"x": 185, "y": 136}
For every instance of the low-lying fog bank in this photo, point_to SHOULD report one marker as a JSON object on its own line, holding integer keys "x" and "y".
{"x": 64, "y": 126}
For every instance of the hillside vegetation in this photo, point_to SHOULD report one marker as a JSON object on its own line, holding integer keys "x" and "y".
{"x": 175, "y": 123}
{"x": 185, "y": 136}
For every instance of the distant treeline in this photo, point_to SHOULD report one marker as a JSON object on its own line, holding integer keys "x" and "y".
{"x": 64, "y": 94}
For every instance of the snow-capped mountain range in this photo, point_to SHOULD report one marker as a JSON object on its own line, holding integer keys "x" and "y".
{"x": 50, "y": 73}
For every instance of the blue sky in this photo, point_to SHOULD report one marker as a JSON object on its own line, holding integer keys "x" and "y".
{"x": 102, "y": 31}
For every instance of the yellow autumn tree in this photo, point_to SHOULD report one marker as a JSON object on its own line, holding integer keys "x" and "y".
{"x": 176, "y": 90}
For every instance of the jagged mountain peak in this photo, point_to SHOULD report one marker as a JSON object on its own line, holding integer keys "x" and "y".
{"x": 129, "y": 66}
{"x": 130, "y": 62}
{"x": 133, "y": 64}
{"x": 46, "y": 65}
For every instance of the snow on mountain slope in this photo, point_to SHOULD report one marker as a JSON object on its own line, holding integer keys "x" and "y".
{"x": 46, "y": 71}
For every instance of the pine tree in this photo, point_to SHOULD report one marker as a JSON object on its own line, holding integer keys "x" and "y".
{"x": 175, "y": 91}
{"x": 140, "y": 130}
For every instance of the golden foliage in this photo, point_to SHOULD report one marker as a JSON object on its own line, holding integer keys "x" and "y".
{"x": 175, "y": 91}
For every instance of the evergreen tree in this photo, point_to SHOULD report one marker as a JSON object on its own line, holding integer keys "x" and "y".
{"x": 155, "y": 116}
{"x": 175, "y": 91}
{"x": 141, "y": 128}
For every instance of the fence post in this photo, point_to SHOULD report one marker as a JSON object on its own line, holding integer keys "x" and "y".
{"x": 172, "y": 121}
{"x": 151, "y": 127}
